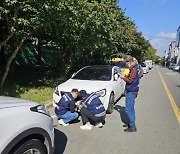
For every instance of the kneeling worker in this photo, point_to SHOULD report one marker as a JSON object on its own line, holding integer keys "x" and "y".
{"x": 93, "y": 110}
{"x": 65, "y": 109}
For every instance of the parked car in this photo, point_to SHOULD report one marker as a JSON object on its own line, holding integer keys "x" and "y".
{"x": 101, "y": 79}
{"x": 145, "y": 68}
{"x": 26, "y": 127}
{"x": 149, "y": 63}
{"x": 171, "y": 66}
{"x": 121, "y": 64}
{"x": 140, "y": 71}
{"x": 176, "y": 67}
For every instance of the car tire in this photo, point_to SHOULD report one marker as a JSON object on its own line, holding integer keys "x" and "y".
{"x": 31, "y": 146}
{"x": 111, "y": 104}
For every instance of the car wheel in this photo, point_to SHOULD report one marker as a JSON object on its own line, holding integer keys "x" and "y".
{"x": 111, "y": 104}
{"x": 33, "y": 146}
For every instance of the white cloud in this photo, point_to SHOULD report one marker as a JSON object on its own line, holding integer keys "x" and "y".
{"x": 161, "y": 42}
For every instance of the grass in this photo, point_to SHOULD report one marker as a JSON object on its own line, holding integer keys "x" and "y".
{"x": 33, "y": 83}
{"x": 42, "y": 95}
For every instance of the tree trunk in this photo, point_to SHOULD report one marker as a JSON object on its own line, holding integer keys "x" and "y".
{"x": 6, "y": 40}
{"x": 64, "y": 59}
{"x": 2, "y": 56}
{"x": 10, "y": 61}
{"x": 39, "y": 54}
{"x": 2, "y": 60}
{"x": 11, "y": 29}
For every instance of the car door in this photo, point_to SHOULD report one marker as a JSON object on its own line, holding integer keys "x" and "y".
{"x": 117, "y": 83}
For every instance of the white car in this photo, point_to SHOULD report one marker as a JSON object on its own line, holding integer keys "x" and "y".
{"x": 176, "y": 67}
{"x": 102, "y": 79}
{"x": 26, "y": 127}
{"x": 145, "y": 68}
{"x": 171, "y": 66}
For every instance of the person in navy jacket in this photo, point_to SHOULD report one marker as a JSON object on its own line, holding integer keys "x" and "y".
{"x": 93, "y": 110}
{"x": 65, "y": 109}
{"x": 132, "y": 88}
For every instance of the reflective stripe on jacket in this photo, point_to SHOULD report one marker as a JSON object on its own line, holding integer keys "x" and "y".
{"x": 94, "y": 104}
{"x": 64, "y": 104}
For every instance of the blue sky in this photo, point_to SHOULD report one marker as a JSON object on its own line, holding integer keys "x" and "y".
{"x": 158, "y": 20}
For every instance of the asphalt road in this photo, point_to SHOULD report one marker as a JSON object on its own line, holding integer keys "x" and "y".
{"x": 158, "y": 129}
{"x": 172, "y": 80}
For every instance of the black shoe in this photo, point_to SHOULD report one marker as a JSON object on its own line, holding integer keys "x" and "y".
{"x": 103, "y": 122}
{"x": 130, "y": 130}
{"x": 126, "y": 125}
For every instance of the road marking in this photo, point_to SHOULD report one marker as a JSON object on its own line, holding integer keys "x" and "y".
{"x": 173, "y": 73}
{"x": 173, "y": 103}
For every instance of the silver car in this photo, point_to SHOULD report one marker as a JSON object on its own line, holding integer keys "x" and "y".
{"x": 25, "y": 127}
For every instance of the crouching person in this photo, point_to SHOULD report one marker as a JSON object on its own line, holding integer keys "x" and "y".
{"x": 65, "y": 110}
{"x": 92, "y": 110}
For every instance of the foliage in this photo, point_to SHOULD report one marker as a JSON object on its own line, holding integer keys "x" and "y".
{"x": 36, "y": 83}
{"x": 42, "y": 95}
{"x": 84, "y": 32}
{"x": 151, "y": 54}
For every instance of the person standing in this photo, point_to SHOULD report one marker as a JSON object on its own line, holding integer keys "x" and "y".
{"x": 65, "y": 109}
{"x": 132, "y": 88}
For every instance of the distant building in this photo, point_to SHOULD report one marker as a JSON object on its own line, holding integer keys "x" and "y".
{"x": 177, "y": 46}
{"x": 172, "y": 52}
{"x": 167, "y": 58}
{"x": 172, "y": 55}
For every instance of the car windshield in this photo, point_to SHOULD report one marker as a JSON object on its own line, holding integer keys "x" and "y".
{"x": 119, "y": 64}
{"x": 102, "y": 73}
{"x": 143, "y": 65}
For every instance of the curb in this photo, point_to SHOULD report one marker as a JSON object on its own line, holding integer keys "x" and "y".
{"x": 49, "y": 105}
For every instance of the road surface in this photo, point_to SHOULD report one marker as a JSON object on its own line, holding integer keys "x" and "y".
{"x": 157, "y": 119}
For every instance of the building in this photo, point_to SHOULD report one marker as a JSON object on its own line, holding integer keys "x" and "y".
{"x": 172, "y": 52}
{"x": 177, "y": 46}
{"x": 172, "y": 55}
{"x": 167, "y": 58}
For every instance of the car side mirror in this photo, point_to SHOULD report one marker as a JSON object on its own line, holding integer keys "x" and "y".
{"x": 116, "y": 76}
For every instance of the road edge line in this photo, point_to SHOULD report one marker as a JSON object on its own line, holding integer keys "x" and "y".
{"x": 171, "y": 99}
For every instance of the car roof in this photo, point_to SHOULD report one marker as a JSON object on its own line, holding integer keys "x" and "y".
{"x": 99, "y": 66}
{"x": 12, "y": 102}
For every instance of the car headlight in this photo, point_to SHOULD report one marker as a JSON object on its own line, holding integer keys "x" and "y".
{"x": 101, "y": 93}
{"x": 40, "y": 109}
{"x": 56, "y": 91}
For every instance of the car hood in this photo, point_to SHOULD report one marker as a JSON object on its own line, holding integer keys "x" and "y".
{"x": 7, "y": 102}
{"x": 88, "y": 85}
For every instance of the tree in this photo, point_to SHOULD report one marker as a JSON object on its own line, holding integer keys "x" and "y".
{"x": 85, "y": 31}
{"x": 21, "y": 19}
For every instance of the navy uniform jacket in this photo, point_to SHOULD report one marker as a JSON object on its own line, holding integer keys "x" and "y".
{"x": 94, "y": 104}
{"x": 66, "y": 103}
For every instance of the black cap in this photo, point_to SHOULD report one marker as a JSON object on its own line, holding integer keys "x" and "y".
{"x": 82, "y": 93}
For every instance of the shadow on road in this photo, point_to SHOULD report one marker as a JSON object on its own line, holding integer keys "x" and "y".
{"x": 74, "y": 121}
{"x": 60, "y": 142}
{"x": 122, "y": 113}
